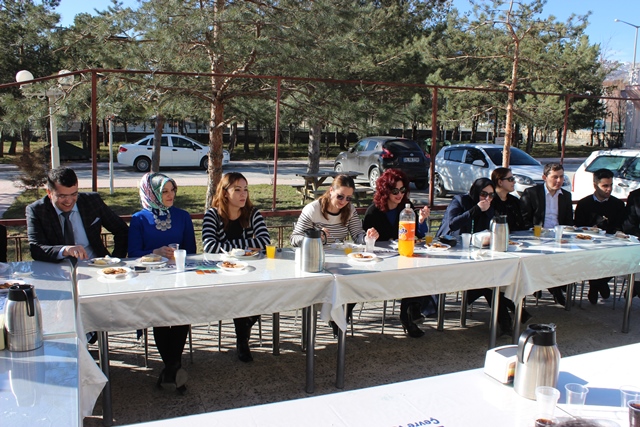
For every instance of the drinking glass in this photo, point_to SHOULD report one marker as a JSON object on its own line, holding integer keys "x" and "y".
{"x": 174, "y": 246}
{"x": 271, "y": 251}
{"x": 547, "y": 398}
{"x": 181, "y": 257}
{"x": 428, "y": 239}
{"x": 634, "y": 413}
{"x": 628, "y": 393}
{"x": 466, "y": 240}
{"x": 576, "y": 395}
{"x": 370, "y": 243}
{"x": 537, "y": 230}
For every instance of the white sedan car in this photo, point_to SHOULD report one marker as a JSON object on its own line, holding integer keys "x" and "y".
{"x": 175, "y": 150}
{"x": 625, "y": 165}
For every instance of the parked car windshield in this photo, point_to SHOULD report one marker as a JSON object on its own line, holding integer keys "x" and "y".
{"x": 517, "y": 158}
{"x": 613, "y": 163}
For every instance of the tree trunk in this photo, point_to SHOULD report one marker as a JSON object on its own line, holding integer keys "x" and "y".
{"x": 530, "y": 137}
{"x": 233, "y": 138}
{"x": 246, "y": 136}
{"x": 215, "y": 148}
{"x": 559, "y": 139}
{"x": 315, "y": 132}
{"x": 126, "y": 131}
{"x": 25, "y": 136}
{"x": 474, "y": 130}
{"x": 256, "y": 143}
{"x": 157, "y": 139}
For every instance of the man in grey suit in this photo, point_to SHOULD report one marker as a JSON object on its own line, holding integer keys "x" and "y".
{"x": 547, "y": 205}
{"x": 66, "y": 223}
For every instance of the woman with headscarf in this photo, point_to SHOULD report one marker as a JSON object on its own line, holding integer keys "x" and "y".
{"x": 472, "y": 213}
{"x": 152, "y": 230}
{"x": 232, "y": 222}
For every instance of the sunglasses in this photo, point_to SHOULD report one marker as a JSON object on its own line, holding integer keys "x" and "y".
{"x": 397, "y": 191}
{"x": 489, "y": 195}
{"x": 341, "y": 197}
{"x": 510, "y": 179}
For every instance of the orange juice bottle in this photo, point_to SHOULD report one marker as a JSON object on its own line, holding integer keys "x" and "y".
{"x": 407, "y": 231}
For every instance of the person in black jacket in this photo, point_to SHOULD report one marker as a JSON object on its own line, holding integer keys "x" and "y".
{"x": 392, "y": 193}
{"x": 472, "y": 213}
{"x": 604, "y": 211}
{"x": 506, "y": 203}
{"x": 547, "y": 205}
{"x": 86, "y": 213}
{"x": 631, "y": 224}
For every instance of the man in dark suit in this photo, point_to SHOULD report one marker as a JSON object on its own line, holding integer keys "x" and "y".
{"x": 66, "y": 223}
{"x": 547, "y": 205}
{"x": 631, "y": 225}
{"x": 604, "y": 211}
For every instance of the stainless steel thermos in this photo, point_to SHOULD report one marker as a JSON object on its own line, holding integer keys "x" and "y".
{"x": 538, "y": 360}
{"x": 23, "y": 319}
{"x": 312, "y": 251}
{"x": 499, "y": 233}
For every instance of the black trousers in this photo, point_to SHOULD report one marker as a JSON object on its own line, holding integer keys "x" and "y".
{"x": 503, "y": 313}
{"x": 243, "y": 326}
{"x": 170, "y": 342}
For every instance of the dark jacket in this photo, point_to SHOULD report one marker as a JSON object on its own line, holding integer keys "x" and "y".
{"x": 608, "y": 215}
{"x": 532, "y": 205}
{"x": 510, "y": 208}
{"x": 464, "y": 216}
{"x": 631, "y": 224}
{"x": 45, "y": 232}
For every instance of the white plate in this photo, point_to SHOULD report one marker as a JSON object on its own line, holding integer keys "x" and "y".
{"x": 588, "y": 230}
{"x": 362, "y": 256}
{"x": 440, "y": 247}
{"x": 514, "y": 244}
{"x": 252, "y": 254}
{"x": 97, "y": 262}
{"x": 124, "y": 272}
{"x": 577, "y": 240}
{"x": 238, "y": 266}
{"x": 163, "y": 260}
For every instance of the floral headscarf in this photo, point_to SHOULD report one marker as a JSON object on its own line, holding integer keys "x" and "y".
{"x": 151, "y": 186}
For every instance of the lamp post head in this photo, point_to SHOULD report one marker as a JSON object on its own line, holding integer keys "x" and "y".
{"x": 23, "y": 76}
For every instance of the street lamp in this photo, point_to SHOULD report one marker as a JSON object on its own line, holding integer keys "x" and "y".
{"x": 52, "y": 95}
{"x": 635, "y": 43}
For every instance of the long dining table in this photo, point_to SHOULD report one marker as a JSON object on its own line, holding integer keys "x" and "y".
{"x": 530, "y": 264}
{"x": 58, "y": 383}
{"x": 203, "y": 293}
{"x": 164, "y": 296}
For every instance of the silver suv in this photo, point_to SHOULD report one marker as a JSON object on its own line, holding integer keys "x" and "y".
{"x": 457, "y": 166}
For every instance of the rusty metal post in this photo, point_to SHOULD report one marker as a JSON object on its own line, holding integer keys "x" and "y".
{"x": 275, "y": 148}
{"x": 94, "y": 131}
{"x": 434, "y": 143}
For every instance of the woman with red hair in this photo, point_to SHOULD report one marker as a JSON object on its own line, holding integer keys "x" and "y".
{"x": 392, "y": 193}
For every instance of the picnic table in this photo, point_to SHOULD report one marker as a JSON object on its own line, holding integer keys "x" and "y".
{"x": 315, "y": 186}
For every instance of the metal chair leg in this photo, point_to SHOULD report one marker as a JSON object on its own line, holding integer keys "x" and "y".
{"x": 384, "y": 314}
{"x": 219, "y": 335}
{"x": 145, "y": 332}
{"x": 190, "y": 346}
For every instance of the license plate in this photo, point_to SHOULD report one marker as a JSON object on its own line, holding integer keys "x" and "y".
{"x": 412, "y": 159}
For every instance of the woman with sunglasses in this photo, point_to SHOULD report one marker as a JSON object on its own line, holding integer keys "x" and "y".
{"x": 334, "y": 214}
{"x": 505, "y": 203}
{"x": 471, "y": 213}
{"x": 392, "y": 193}
{"x": 233, "y": 223}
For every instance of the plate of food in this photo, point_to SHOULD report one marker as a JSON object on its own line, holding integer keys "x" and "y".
{"x": 514, "y": 244}
{"x": 584, "y": 237}
{"x": 437, "y": 246}
{"x": 362, "y": 256}
{"x": 103, "y": 262}
{"x": 588, "y": 230}
{"x": 245, "y": 253}
{"x": 232, "y": 266}
{"x": 115, "y": 272}
{"x": 152, "y": 259}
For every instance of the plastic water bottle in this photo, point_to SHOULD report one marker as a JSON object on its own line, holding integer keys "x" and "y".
{"x": 406, "y": 231}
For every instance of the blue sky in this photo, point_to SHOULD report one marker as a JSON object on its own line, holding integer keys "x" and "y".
{"x": 616, "y": 39}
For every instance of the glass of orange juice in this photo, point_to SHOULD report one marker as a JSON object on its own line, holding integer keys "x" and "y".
{"x": 537, "y": 230}
{"x": 271, "y": 251}
{"x": 348, "y": 248}
{"x": 428, "y": 239}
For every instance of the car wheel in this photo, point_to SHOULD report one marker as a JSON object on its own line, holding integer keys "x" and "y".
{"x": 204, "y": 163}
{"x": 338, "y": 168}
{"x": 439, "y": 186}
{"x": 374, "y": 174}
{"x": 142, "y": 164}
{"x": 422, "y": 184}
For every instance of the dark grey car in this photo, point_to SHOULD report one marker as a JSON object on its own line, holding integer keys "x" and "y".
{"x": 373, "y": 155}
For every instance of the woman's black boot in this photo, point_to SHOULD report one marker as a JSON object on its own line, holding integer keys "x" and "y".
{"x": 409, "y": 327}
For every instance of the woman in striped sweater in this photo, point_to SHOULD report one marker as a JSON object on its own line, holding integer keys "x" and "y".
{"x": 336, "y": 216}
{"x": 232, "y": 222}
